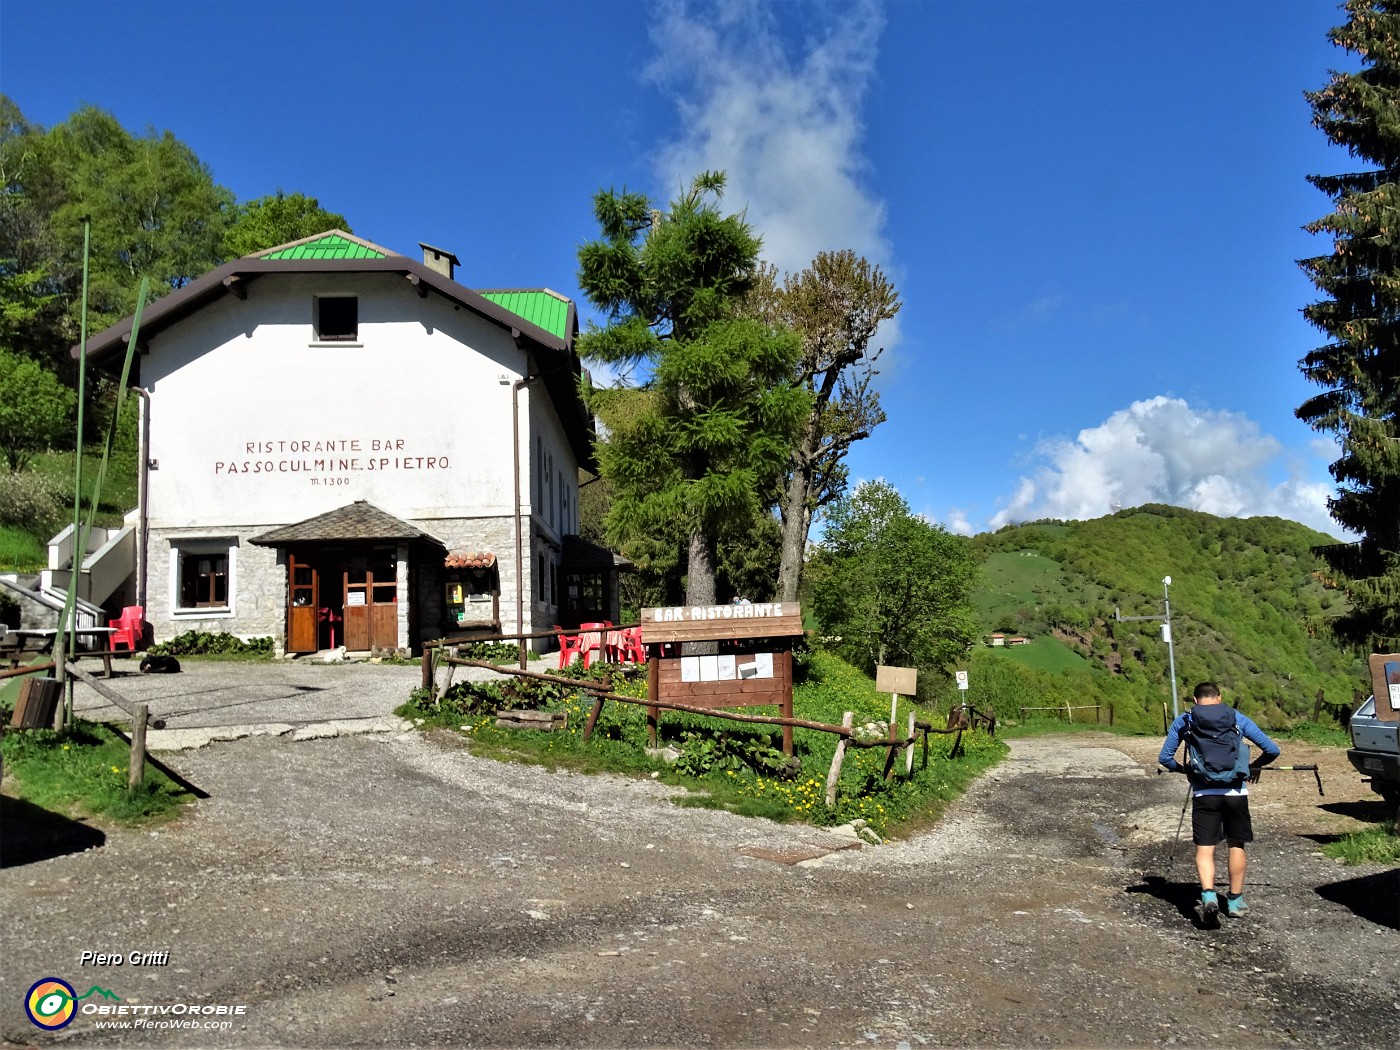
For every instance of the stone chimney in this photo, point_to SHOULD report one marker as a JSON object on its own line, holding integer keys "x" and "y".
{"x": 439, "y": 260}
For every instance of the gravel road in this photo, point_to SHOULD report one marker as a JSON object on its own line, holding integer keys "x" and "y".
{"x": 394, "y": 890}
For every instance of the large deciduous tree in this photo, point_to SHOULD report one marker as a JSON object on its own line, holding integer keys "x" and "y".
{"x": 699, "y": 452}
{"x": 155, "y": 211}
{"x": 277, "y": 219}
{"x": 889, "y": 587}
{"x": 836, "y": 305}
{"x": 1359, "y": 366}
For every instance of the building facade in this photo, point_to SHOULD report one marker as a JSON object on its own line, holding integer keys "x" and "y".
{"x": 328, "y": 426}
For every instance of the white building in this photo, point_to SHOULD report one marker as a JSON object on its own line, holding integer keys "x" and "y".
{"x": 344, "y": 446}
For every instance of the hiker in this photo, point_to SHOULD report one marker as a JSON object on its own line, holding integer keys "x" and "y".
{"x": 1219, "y": 770}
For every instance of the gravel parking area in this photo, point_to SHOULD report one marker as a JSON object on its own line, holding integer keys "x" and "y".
{"x": 211, "y": 700}
{"x": 393, "y": 890}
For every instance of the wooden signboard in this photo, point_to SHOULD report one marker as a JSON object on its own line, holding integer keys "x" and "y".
{"x": 1385, "y": 684}
{"x": 703, "y": 623}
{"x": 37, "y": 703}
{"x": 901, "y": 680}
{"x": 752, "y": 667}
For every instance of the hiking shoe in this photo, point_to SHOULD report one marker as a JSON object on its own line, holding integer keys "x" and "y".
{"x": 1235, "y": 907}
{"x": 1208, "y": 909}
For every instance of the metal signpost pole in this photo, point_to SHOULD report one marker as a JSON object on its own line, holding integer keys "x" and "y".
{"x": 1171, "y": 645}
{"x": 1166, "y": 636}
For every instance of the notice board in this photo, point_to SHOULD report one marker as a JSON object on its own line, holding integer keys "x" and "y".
{"x": 750, "y": 664}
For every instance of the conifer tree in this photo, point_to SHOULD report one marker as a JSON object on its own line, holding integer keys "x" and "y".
{"x": 697, "y": 453}
{"x": 1359, "y": 366}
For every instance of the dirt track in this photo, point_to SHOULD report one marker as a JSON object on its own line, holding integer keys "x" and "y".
{"x": 398, "y": 892}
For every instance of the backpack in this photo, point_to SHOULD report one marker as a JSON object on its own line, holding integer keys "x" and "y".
{"x": 1216, "y": 753}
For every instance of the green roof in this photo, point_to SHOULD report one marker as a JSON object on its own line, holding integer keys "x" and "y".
{"x": 328, "y": 246}
{"x": 546, "y": 309}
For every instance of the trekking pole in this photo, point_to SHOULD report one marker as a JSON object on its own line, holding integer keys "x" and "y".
{"x": 1300, "y": 769}
{"x": 1171, "y": 857}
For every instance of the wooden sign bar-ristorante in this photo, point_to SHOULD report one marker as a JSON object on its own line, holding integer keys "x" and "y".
{"x": 750, "y": 667}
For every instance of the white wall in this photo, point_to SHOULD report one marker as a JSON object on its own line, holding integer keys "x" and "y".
{"x": 252, "y": 423}
{"x": 255, "y": 425}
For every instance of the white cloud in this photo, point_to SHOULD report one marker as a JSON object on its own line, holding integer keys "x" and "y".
{"x": 959, "y": 524}
{"x": 1164, "y": 451}
{"x": 785, "y": 128}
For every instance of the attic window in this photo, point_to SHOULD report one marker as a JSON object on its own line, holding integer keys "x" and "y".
{"x": 337, "y": 319}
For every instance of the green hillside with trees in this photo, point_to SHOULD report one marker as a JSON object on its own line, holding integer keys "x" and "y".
{"x": 1250, "y": 604}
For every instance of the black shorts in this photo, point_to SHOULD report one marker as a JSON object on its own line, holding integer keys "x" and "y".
{"x": 1220, "y": 817}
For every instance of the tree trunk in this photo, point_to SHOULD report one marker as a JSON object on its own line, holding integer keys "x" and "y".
{"x": 700, "y": 570}
{"x": 700, "y": 585}
{"x": 797, "y": 515}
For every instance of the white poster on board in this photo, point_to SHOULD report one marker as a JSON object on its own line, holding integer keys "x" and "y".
{"x": 709, "y": 668}
{"x": 726, "y": 667}
{"x": 690, "y": 668}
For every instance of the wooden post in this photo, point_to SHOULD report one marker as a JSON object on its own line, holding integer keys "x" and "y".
{"x": 1110, "y": 715}
{"x": 786, "y": 658}
{"x": 909, "y": 750}
{"x": 653, "y": 694}
{"x": 925, "y": 761}
{"x": 893, "y": 747}
{"x": 1165, "y": 724}
{"x": 427, "y": 681}
{"x": 592, "y": 718}
{"x": 136, "y": 771}
{"x": 837, "y": 759}
{"x": 1069, "y": 715}
{"x": 1317, "y": 706}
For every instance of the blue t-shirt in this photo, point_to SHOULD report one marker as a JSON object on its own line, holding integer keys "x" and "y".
{"x": 1252, "y": 733}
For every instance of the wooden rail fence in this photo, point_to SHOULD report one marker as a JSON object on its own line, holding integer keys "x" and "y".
{"x": 1068, "y": 711}
{"x": 917, "y": 732}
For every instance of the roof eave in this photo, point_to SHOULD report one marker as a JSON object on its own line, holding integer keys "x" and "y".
{"x": 215, "y": 285}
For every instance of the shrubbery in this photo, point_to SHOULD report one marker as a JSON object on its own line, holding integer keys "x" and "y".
{"x": 32, "y": 501}
{"x": 204, "y": 643}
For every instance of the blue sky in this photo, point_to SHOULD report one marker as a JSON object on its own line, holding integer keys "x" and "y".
{"x": 1092, "y": 211}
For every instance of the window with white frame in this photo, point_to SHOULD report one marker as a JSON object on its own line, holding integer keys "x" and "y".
{"x": 202, "y": 576}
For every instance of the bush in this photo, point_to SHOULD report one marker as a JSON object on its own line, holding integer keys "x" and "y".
{"x": 491, "y": 652}
{"x": 32, "y": 501}
{"x": 204, "y": 643}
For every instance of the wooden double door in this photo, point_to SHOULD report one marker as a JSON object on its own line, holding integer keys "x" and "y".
{"x": 342, "y": 597}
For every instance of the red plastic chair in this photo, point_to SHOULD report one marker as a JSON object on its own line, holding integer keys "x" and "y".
{"x": 591, "y": 637}
{"x": 130, "y": 628}
{"x": 570, "y": 645}
{"x": 632, "y": 650}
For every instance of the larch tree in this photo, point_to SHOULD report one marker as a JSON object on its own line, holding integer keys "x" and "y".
{"x": 836, "y": 305}
{"x": 695, "y": 455}
{"x": 1359, "y": 367}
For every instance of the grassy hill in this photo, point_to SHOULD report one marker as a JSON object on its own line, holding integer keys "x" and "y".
{"x": 1249, "y": 610}
{"x": 23, "y": 540}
